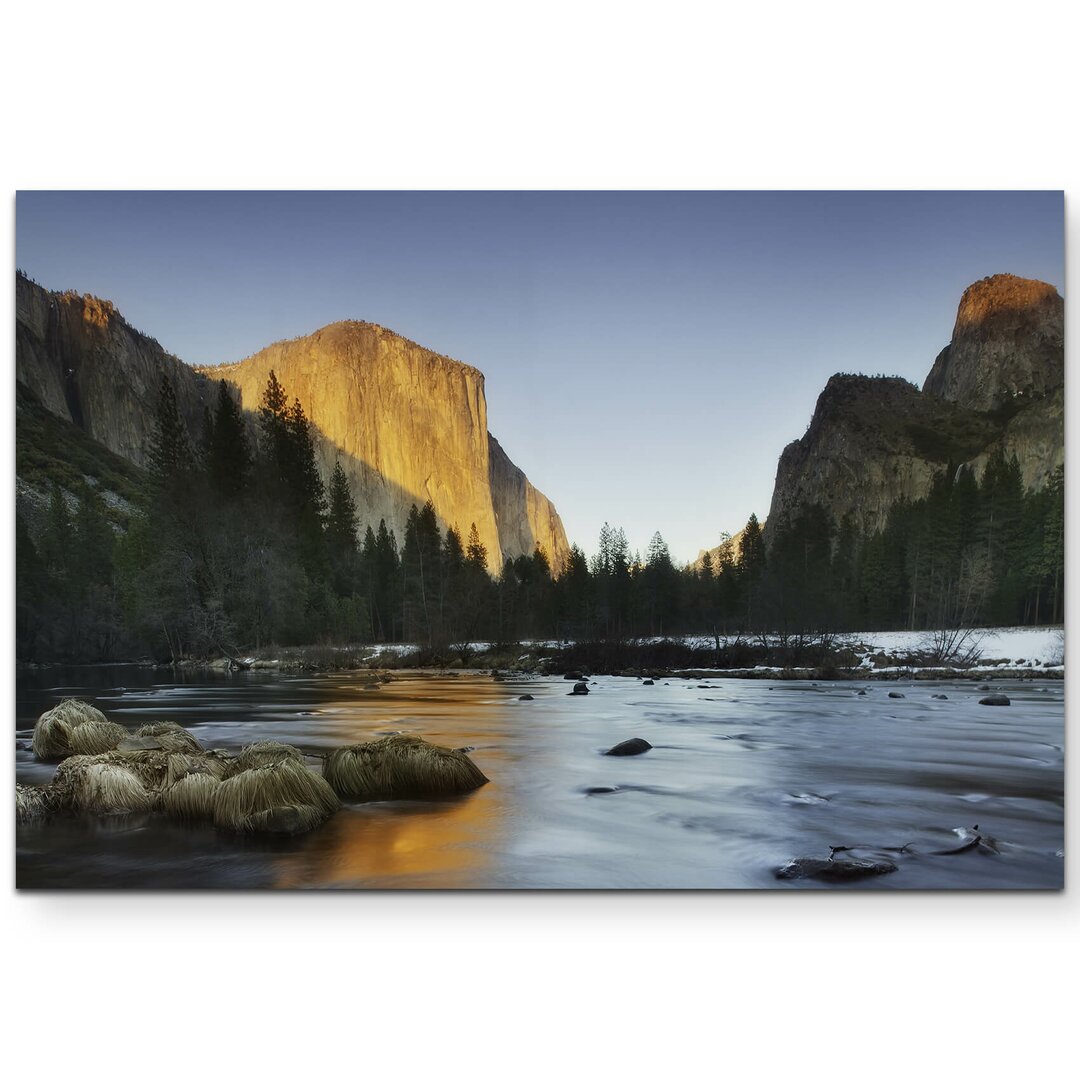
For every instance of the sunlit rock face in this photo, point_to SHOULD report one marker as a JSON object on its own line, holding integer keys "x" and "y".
{"x": 1007, "y": 345}
{"x": 999, "y": 383}
{"x": 728, "y": 549}
{"x": 406, "y": 424}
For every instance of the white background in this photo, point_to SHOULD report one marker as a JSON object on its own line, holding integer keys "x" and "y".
{"x": 783, "y": 95}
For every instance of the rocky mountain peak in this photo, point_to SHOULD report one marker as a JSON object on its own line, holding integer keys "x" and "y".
{"x": 997, "y": 386}
{"x": 1007, "y": 345}
{"x": 348, "y": 340}
{"x": 1000, "y": 298}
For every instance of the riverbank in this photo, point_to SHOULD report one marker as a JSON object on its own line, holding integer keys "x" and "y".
{"x": 992, "y": 654}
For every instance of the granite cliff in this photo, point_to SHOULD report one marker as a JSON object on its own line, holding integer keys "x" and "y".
{"x": 80, "y": 359}
{"x": 406, "y": 424}
{"x": 1007, "y": 346}
{"x": 999, "y": 383}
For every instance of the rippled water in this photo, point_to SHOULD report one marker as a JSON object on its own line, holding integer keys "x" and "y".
{"x": 744, "y": 775}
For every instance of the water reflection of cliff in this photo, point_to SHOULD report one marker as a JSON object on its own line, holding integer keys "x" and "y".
{"x": 440, "y": 843}
{"x": 444, "y": 844}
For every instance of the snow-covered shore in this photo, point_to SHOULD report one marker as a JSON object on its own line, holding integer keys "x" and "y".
{"x": 1016, "y": 648}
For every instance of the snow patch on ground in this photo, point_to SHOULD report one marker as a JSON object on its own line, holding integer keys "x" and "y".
{"x": 1011, "y": 646}
{"x": 1007, "y": 646}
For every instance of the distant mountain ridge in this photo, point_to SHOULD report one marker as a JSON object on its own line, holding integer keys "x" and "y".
{"x": 999, "y": 384}
{"x": 407, "y": 424}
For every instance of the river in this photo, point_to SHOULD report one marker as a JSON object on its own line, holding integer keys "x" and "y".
{"x": 744, "y": 775}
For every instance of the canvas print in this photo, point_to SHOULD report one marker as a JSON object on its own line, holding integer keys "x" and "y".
{"x": 539, "y": 540}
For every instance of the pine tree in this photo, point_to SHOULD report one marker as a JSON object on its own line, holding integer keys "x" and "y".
{"x": 751, "y": 566}
{"x": 752, "y": 550}
{"x": 342, "y": 523}
{"x": 660, "y": 583}
{"x": 302, "y": 473}
{"x": 575, "y": 587}
{"x": 228, "y": 455}
{"x": 421, "y": 573}
{"x": 171, "y": 456}
{"x": 452, "y": 583}
{"x": 383, "y": 574}
{"x": 274, "y": 434}
{"x": 342, "y": 526}
{"x": 475, "y": 552}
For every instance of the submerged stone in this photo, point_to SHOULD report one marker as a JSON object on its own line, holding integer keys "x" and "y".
{"x": 525, "y": 697}
{"x": 995, "y": 699}
{"x": 895, "y": 694}
{"x": 580, "y": 688}
{"x": 629, "y": 747}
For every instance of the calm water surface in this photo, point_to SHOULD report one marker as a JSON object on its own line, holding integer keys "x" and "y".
{"x": 744, "y": 775}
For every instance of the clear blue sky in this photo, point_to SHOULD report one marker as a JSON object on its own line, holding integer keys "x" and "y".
{"x": 648, "y": 355}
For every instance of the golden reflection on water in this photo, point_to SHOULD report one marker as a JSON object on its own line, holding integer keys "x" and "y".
{"x": 401, "y": 844}
{"x": 398, "y": 845}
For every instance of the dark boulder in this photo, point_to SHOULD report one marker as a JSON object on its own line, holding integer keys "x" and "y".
{"x": 525, "y": 697}
{"x": 629, "y": 747}
{"x": 895, "y": 694}
{"x": 834, "y": 869}
{"x": 580, "y": 688}
{"x": 995, "y": 699}
{"x": 647, "y": 682}
{"x": 940, "y": 697}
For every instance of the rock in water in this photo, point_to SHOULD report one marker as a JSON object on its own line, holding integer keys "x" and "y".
{"x": 629, "y": 747}
{"x": 400, "y": 767}
{"x": 647, "y": 682}
{"x": 580, "y": 688}
{"x": 834, "y": 869}
{"x": 995, "y": 699}
{"x": 525, "y": 697}
{"x": 895, "y": 694}
{"x": 940, "y": 697}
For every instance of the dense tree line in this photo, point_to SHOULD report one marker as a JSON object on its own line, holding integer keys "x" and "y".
{"x": 241, "y": 545}
{"x": 971, "y": 553}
